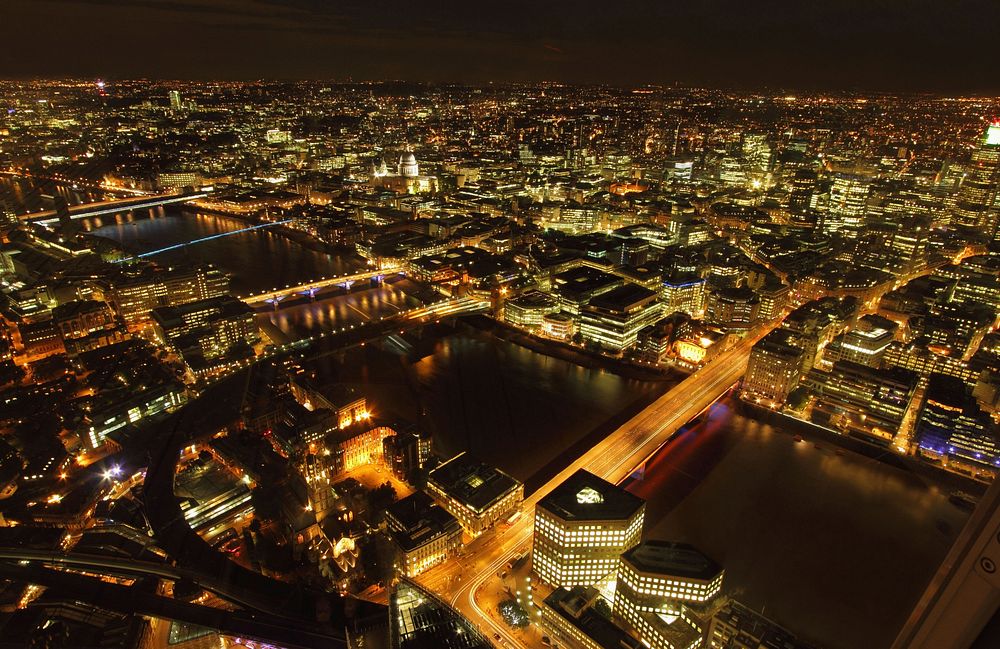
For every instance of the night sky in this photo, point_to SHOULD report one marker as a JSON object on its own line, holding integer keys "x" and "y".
{"x": 941, "y": 45}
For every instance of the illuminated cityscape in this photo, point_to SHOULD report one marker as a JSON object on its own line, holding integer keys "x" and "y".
{"x": 607, "y": 361}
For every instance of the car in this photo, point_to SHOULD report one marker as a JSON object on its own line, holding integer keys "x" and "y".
{"x": 496, "y": 636}
{"x": 547, "y": 641}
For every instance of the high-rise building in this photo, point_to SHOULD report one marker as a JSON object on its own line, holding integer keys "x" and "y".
{"x": 175, "y": 100}
{"x": 976, "y": 203}
{"x": 802, "y": 187}
{"x": 774, "y": 368}
{"x": 848, "y": 203}
{"x": 757, "y": 152}
{"x": 663, "y": 593}
{"x": 910, "y": 244}
{"x": 581, "y": 528}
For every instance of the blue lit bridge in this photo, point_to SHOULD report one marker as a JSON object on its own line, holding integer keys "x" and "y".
{"x": 185, "y": 244}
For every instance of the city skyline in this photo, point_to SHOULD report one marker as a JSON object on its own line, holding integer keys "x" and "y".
{"x": 498, "y": 365}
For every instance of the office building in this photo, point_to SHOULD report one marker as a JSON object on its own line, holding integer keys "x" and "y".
{"x": 867, "y": 341}
{"x": 663, "y": 593}
{"x": 732, "y": 309}
{"x": 526, "y": 310}
{"x": 571, "y": 614}
{"x": 774, "y": 368}
{"x": 848, "y": 204}
{"x": 951, "y": 425}
{"x": 423, "y": 533}
{"x": 976, "y": 203}
{"x": 581, "y": 528}
{"x": 574, "y": 288}
{"x": 111, "y": 415}
{"x": 84, "y": 325}
{"x": 135, "y": 294}
{"x": 852, "y": 396}
{"x": 684, "y": 293}
{"x": 612, "y": 320}
{"x": 773, "y": 296}
{"x": 735, "y": 626}
{"x": 478, "y": 495}
{"x": 216, "y": 329}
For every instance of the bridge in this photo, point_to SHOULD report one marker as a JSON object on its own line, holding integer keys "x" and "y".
{"x": 116, "y": 206}
{"x": 178, "y": 246}
{"x": 310, "y": 288}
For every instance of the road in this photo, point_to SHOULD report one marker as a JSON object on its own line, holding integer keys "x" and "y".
{"x": 614, "y": 459}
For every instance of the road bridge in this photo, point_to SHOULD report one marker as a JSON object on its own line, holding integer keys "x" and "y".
{"x": 116, "y": 206}
{"x": 311, "y": 287}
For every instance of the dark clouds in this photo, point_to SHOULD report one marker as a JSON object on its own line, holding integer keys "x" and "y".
{"x": 891, "y": 44}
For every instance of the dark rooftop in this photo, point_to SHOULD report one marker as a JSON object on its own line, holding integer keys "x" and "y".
{"x": 585, "y": 497}
{"x": 473, "y": 483}
{"x": 670, "y": 558}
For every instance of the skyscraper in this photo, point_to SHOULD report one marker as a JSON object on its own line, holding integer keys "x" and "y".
{"x": 175, "y": 100}
{"x": 848, "y": 203}
{"x": 976, "y": 204}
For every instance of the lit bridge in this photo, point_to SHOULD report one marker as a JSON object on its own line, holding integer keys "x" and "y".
{"x": 277, "y": 294}
{"x": 117, "y": 206}
{"x": 185, "y": 244}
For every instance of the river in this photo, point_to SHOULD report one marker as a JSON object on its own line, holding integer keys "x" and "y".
{"x": 836, "y": 546}
{"x": 259, "y": 260}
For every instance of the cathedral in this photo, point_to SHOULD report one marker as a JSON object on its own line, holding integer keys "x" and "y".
{"x": 406, "y": 180}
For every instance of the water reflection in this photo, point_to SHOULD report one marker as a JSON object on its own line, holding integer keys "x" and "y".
{"x": 258, "y": 260}
{"x": 839, "y": 546}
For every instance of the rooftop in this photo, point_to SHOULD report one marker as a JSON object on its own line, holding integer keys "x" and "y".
{"x": 672, "y": 559}
{"x": 471, "y": 482}
{"x": 585, "y": 497}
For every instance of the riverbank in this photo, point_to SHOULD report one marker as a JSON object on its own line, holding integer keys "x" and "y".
{"x": 570, "y": 353}
{"x": 299, "y": 237}
{"x": 787, "y": 424}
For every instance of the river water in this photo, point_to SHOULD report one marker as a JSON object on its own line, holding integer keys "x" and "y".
{"x": 835, "y": 547}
